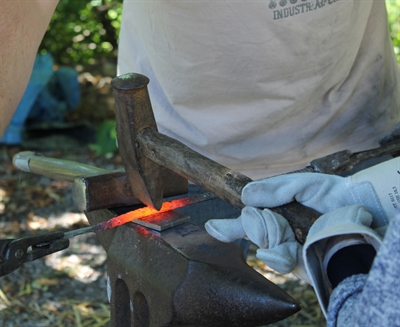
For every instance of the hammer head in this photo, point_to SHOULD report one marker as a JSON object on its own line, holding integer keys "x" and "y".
{"x": 133, "y": 114}
{"x": 113, "y": 190}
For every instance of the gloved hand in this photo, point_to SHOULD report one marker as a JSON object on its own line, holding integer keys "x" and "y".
{"x": 375, "y": 188}
{"x": 271, "y": 232}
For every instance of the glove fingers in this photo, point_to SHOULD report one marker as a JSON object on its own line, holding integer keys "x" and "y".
{"x": 282, "y": 258}
{"x": 265, "y": 228}
{"x": 225, "y": 230}
{"x": 307, "y": 188}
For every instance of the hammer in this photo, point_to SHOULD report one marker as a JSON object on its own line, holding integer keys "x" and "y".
{"x": 145, "y": 152}
{"x": 94, "y": 188}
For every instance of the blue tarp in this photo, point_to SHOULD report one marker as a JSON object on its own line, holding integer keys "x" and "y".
{"x": 49, "y": 94}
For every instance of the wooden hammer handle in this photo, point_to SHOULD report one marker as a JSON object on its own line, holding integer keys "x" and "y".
{"x": 227, "y": 184}
{"x": 174, "y": 155}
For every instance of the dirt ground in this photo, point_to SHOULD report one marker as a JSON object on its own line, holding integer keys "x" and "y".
{"x": 68, "y": 288}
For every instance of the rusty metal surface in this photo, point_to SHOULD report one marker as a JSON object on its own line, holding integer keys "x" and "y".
{"x": 184, "y": 277}
{"x": 114, "y": 190}
{"x": 342, "y": 161}
{"x": 133, "y": 113}
{"x": 104, "y": 191}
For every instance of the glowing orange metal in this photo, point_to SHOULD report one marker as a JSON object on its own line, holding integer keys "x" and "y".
{"x": 139, "y": 214}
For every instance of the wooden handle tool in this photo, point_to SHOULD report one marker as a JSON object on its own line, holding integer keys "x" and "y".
{"x": 145, "y": 151}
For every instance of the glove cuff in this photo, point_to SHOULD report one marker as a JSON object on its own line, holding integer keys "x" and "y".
{"x": 383, "y": 182}
{"x": 334, "y": 224}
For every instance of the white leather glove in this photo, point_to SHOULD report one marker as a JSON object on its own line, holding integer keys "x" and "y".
{"x": 271, "y": 232}
{"x": 375, "y": 188}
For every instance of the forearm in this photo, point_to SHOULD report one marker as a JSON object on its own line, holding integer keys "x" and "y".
{"x": 22, "y": 26}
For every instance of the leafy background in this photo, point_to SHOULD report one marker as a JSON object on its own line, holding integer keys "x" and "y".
{"x": 81, "y": 32}
{"x": 393, "y": 8}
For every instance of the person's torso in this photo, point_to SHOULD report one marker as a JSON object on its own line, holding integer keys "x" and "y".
{"x": 265, "y": 86}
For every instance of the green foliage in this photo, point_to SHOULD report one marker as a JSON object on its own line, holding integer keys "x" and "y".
{"x": 82, "y": 31}
{"x": 106, "y": 139}
{"x": 393, "y": 7}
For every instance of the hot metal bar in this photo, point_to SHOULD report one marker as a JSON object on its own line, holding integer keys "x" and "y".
{"x": 147, "y": 216}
